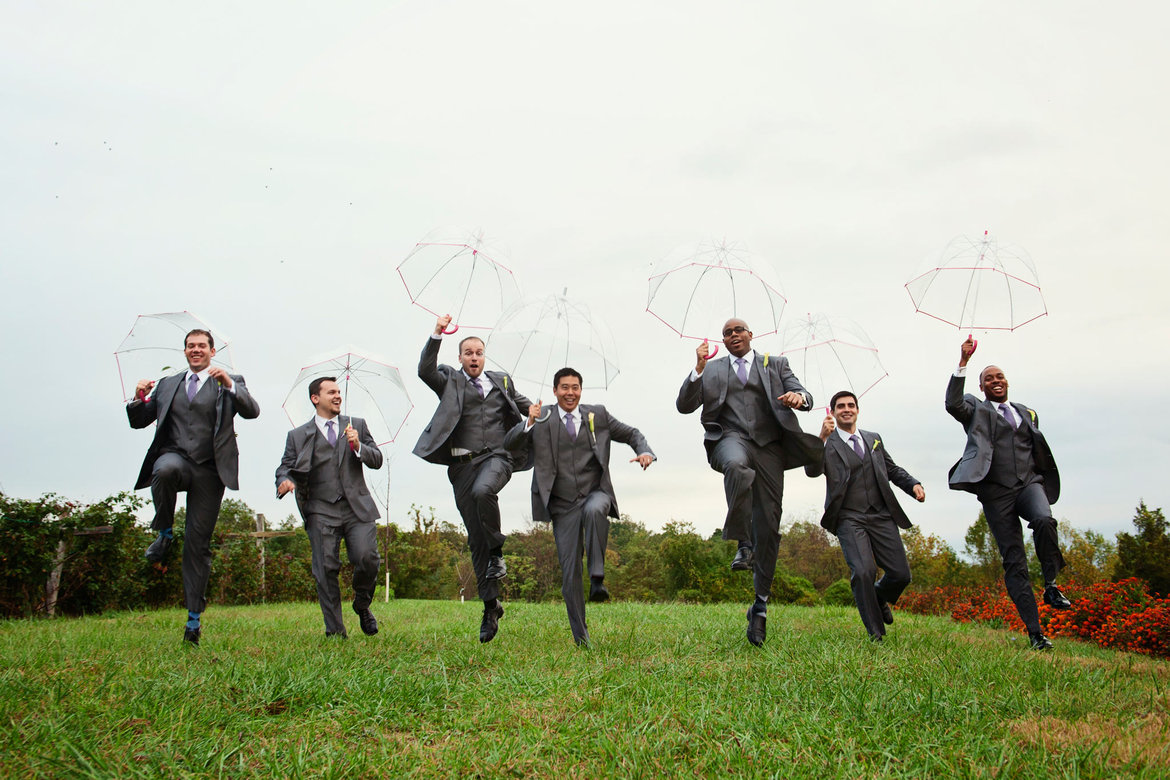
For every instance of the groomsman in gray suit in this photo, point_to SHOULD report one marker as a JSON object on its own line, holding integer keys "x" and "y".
{"x": 751, "y": 435}
{"x": 466, "y": 434}
{"x": 1007, "y": 464}
{"x": 571, "y": 487}
{"x": 862, "y": 512}
{"x": 323, "y": 462}
{"x": 194, "y": 449}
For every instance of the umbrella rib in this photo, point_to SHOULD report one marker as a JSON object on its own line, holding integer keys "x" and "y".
{"x": 438, "y": 270}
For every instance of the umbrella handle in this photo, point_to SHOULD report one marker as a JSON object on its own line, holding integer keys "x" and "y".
{"x": 714, "y": 351}
{"x": 453, "y": 329}
{"x": 974, "y": 343}
{"x": 545, "y": 416}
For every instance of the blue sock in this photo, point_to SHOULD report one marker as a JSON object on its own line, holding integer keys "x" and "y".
{"x": 193, "y": 620}
{"x": 167, "y": 532}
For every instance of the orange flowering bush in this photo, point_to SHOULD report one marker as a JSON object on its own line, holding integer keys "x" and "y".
{"x": 1122, "y": 615}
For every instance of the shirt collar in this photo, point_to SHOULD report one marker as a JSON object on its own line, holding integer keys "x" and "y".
{"x": 484, "y": 379}
{"x": 749, "y": 356}
{"x": 845, "y": 436}
{"x": 322, "y": 420}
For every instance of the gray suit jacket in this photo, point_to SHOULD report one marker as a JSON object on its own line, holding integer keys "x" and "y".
{"x": 601, "y": 429}
{"x": 448, "y": 383}
{"x": 227, "y": 406}
{"x": 297, "y": 463}
{"x": 710, "y": 391}
{"x": 978, "y": 420}
{"x": 837, "y": 471}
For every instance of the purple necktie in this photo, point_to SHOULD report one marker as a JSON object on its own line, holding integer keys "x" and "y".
{"x": 330, "y": 434}
{"x": 741, "y": 370}
{"x": 478, "y": 386}
{"x": 571, "y": 427}
{"x": 1007, "y": 415}
{"x": 192, "y": 386}
{"x": 857, "y": 446}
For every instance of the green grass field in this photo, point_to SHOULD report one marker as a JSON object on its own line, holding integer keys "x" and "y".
{"x": 666, "y": 690}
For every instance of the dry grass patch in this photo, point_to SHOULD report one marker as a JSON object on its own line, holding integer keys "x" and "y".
{"x": 1142, "y": 741}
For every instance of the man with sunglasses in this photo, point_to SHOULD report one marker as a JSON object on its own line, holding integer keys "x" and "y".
{"x": 752, "y": 436}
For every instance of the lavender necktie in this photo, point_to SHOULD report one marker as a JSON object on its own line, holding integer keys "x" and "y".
{"x": 571, "y": 427}
{"x": 1007, "y": 415}
{"x": 857, "y": 446}
{"x": 192, "y": 386}
{"x": 330, "y": 434}
{"x": 741, "y": 370}
{"x": 478, "y": 386}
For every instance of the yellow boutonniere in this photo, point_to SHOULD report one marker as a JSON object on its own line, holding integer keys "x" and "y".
{"x": 592, "y": 434}
{"x": 876, "y": 442}
{"x": 1032, "y": 414}
{"x": 766, "y": 356}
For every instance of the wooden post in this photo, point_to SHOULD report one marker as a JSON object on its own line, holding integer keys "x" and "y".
{"x": 55, "y": 579}
{"x": 54, "y": 583}
{"x": 260, "y": 546}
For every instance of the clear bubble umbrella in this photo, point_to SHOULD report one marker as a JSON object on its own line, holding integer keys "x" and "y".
{"x": 706, "y": 285}
{"x": 456, "y": 271}
{"x": 370, "y": 389}
{"x": 976, "y": 284}
{"x": 831, "y": 354}
{"x": 538, "y": 336}
{"x": 154, "y": 348}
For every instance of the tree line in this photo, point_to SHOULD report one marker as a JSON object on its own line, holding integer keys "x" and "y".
{"x": 64, "y": 557}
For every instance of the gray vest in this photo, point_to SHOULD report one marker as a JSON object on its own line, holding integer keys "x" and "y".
{"x": 747, "y": 409}
{"x": 862, "y": 495}
{"x": 1011, "y": 454}
{"x": 191, "y": 424}
{"x": 578, "y": 470}
{"x": 482, "y": 424}
{"x": 325, "y": 494}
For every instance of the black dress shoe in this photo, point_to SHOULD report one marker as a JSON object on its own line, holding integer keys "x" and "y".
{"x": 191, "y": 635}
{"x": 598, "y": 592}
{"x": 490, "y": 625}
{"x": 496, "y": 568}
{"x": 367, "y": 620}
{"x": 157, "y": 551}
{"x": 757, "y": 630}
{"x": 336, "y": 635}
{"x": 743, "y": 560}
{"x": 1055, "y": 599}
{"x": 1039, "y": 642}
{"x": 887, "y": 613}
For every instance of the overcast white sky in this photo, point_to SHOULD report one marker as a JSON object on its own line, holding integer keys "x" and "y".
{"x": 267, "y": 165}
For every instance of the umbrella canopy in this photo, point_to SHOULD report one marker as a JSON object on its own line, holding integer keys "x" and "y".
{"x": 370, "y": 389}
{"x": 829, "y": 354}
{"x": 535, "y": 338}
{"x": 455, "y": 271}
{"x": 709, "y": 284}
{"x": 154, "y": 348}
{"x": 979, "y": 285}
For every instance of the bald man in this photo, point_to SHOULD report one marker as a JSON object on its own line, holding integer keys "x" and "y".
{"x": 1007, "y": 464}
{"x": 752, "y": 436}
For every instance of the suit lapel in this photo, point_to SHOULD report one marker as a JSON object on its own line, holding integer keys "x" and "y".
{"x": 867, "y": 444}
{"x": 585, "y": 429}
{"x": 219, "y": 400}
{"x": 166, "y": 396}
{"x": 550, "y": 431}
{"x": 767, "y": 380}
{"x": 342, "y": 445}
{"x": 726, "y": 375}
